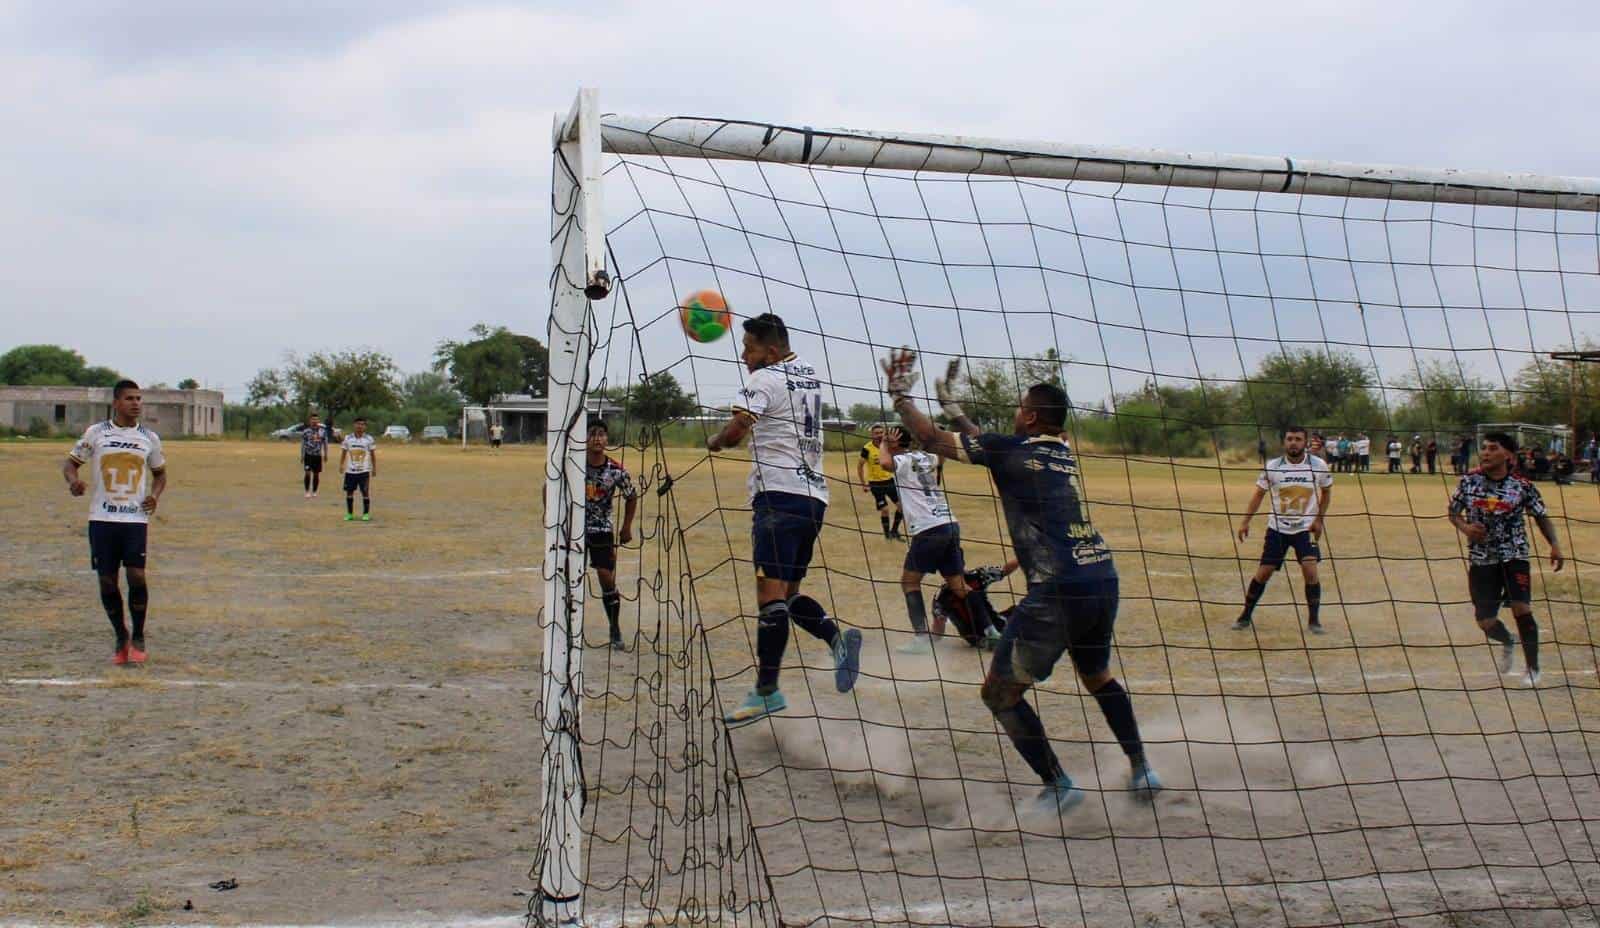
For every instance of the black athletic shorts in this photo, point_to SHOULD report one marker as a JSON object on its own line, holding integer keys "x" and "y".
{"x": 354, "y": 482}
{"x": 883, "y": 492}
{"x": 1494, "y": 585}
{"x": 494, "y": 442}
{"x": 312, "y": 462}
{"x": 937, "y": 551}
{"x": 602, "y": 548}
{"x": 783, "y": 532}
{"x": 1278, "y": 545}
{"x": 1076, "y": 618}
{"x": 113, "y": 545}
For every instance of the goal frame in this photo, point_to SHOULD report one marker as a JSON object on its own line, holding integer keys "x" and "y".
{"x": 579, "y": 276}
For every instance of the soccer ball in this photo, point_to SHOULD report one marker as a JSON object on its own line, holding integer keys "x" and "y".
{"x": 704, "y": 315}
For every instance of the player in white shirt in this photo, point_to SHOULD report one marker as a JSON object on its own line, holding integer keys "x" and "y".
{"x": 358, "y": 458}
{"x": 935, "y": 535}
{"x": 780, "y": 408}
{"x": 1301, "y": 487}
{"x": 1363, "y": 453}
{"x": 129, "y": 474}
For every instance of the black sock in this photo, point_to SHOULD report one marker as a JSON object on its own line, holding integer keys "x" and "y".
{"x": 885, "y": 520}
{"x": 111, "y": 599}
{"x": 1499, "y": 632}
{"x": 1251, "y": 596}
{"x": 1117, "y": 707}
{"x": 772, "y": 638}
{"x": 366, "y": 505}
{"x": 898, "y": 518}
{"x": 1314, "y": 601}
{"x": 307, "y": 481}
{"x": 613, "y": 601}
{"x": 138, "y": 602}
{"x": 1027, "y": 733}
{"x": 918, "y": 611}
{"x": 1528, "y": 628}
{"x": 349, "y": 504}
{"x": 809, "y": 615}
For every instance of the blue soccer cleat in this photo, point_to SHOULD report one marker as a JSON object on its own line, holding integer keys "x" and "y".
{"x": 756, "y": 706}
{"x": 847, "y": 660}
{"x": 1144, "y": 783}
{"x": 1058, "y": 798}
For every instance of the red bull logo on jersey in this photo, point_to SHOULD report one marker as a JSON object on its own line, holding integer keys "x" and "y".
{"x": 1495, "y": 505}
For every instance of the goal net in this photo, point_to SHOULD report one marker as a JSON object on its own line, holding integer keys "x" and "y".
{"x": 1385, "y": 772}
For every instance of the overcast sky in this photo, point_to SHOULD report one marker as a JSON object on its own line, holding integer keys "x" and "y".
{"x": 195, "y": 187}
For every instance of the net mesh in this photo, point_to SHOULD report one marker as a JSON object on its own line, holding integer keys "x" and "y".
{"x": 1382, "y": 773}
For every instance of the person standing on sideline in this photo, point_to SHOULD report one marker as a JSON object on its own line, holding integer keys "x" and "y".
{"x": 1301, "y": 487}
{"x": 1491, "y": 507}
{"x": 1363, "y": 453}
{"x": 1261, "y": 449}
{"x": 313, "y": 450}
{"x": 880, "y": 483}
{"x": 1416, "y": 454}
{"x": 129, "y": 474}
{"x": 1394, "y": 454}
{"x": 1431, "y": 452}
{"x": 358, "y": 459}
{"x": 604, "y": 478}
{"x": 497, "y": 434}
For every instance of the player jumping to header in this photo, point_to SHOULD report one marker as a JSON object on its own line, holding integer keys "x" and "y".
{"x": 1072, "y": 598}
{"x": 1301, "y": 487}
{"x": 1490, "y": 507}
{"x": 358, "y": 459}
{"x": 880, "y": 483}
{"x": 780, "y": 407}
{"x": 129, "y": 472}
{"x": 935, "y": 534}
{"x": 603, "y": 479}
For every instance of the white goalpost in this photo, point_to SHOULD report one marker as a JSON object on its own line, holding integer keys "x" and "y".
{"x": 1131, "y": 271}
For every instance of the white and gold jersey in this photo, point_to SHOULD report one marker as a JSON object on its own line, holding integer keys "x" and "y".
{"x": 785, "y": 402}
{"x": 358, "y": 451}
{"x": 120, "y": 462}
{"x": 1295, "y": 491}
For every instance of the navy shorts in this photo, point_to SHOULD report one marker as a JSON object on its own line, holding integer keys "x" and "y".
{"x": 1074, "y": 617}
{"x": 937, "y": 551}
{"x": 354, "y": 482}
{"x": 312, "y": 462}
{"x": 1493, "y": 585}
{"x": 783, "y": 530}
{"x": 1278, "y": 545}
{"x": 883, "y": 493}
{"x": 113, "y": 545}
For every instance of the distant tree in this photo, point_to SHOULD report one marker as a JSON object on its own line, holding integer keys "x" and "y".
{"x": 344, "y": 380}
{"x": 658, "y": 399}
{"x": 1310, "y": 388}
{"x": 1541, "y": 392}
{"x": 429, "y": 390}
{"x": 268, "y": 387}
{"x": 1444, "y": 398}
{"x": 51, "y": 366}
{"x": 188, "y": 383}
{"x": 493, "y": 362}
{"x": 869, "y": 413}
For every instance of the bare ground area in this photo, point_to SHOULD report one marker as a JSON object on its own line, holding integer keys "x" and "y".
{"x": 342, "y": 717}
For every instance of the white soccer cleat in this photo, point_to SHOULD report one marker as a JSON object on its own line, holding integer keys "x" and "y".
{"x": 919, "y": 644}
{"x": 1508, "y": 654}
{"x": 1532, "y": 678}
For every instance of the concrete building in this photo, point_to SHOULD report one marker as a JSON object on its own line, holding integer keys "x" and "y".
{"x": 70, "y": 410}
{"x": 524, "y": 416}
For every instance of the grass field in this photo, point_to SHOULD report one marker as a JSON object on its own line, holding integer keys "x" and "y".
{"x": 342, "y": 716}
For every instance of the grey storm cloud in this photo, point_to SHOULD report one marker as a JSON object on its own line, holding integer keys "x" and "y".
{"x": 195, "y": 188}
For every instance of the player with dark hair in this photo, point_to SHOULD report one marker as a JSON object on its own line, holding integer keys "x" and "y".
{"x": 129, "y": 472}
{"x": 313, "y": 448}
{"x": 358, "y": 459}
{"x": 780, "y": 408}
{"x": 603, "y": 479}
{"x": 1071, "y": 603}
{"x": 1301, "y": 487}
{"x": 880, "y": 483}
{"x": 1490, "y": 507}
{"x": 935, "y": 535}
{"x": 975, "y": 618}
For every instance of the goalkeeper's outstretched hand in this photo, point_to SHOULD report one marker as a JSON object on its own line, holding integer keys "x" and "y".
{"x": 900, "y": 375}
{"x": 945, "y": 389}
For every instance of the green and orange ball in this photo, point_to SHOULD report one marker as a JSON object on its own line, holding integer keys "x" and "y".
{"x": 704, "y": 315}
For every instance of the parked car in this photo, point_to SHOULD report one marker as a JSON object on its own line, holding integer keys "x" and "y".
{"x": 435, "y": 433}
{"x": 292, "y": 433}
{"x": 397, "y": 432}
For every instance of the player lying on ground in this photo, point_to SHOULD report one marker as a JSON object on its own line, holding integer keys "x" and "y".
{"x": 603, "y": 479}
{"x": 780, "y": 407}
{"x": 123, "y": 457}
{"x": 1071, "y": 603}
{"x": 935, "y": 534}
{"x": 975, "y": 618}
{"x": 1490, "y": 507}
{"x": 880, "y": 483}
{"x": 1301, "y": 487}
